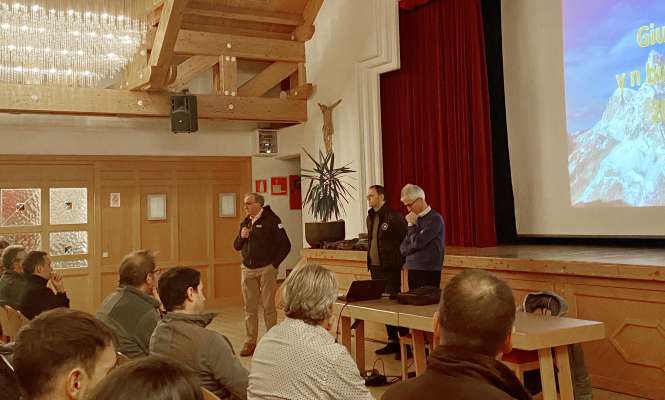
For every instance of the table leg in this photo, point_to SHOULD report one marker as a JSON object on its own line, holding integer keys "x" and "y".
{"x": 565, "y": 376}
{"x": 419, "y": 351}
{"x": 346, "y": 333}
{"x": 360, "y": 345}
{"x": 547, "y": 373}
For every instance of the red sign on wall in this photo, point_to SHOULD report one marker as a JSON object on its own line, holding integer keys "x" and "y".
{"x": 278, "y": 186}
{"x": 261, "y": 185}
{"x": 295, "y": 193}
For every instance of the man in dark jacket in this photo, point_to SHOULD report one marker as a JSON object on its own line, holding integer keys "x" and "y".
{"x": 38, "y": 297}
{"x": 385, "y": 231}
{"x": 12, "y": 282}
{"x": 423, "y": 244}
{"x": 263, "y": 244}
{"x": 477, "y": 312}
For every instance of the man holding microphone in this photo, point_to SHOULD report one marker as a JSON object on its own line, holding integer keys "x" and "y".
{"x": 263, "y": 244}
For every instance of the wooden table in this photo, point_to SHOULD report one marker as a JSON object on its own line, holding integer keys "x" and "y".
{"x": 532, "y": 332}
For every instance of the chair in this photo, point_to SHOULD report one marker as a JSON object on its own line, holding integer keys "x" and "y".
{"x": 521, "y": 361}
{"x": 208, "y": 395}
{"x": 15, "y": 321}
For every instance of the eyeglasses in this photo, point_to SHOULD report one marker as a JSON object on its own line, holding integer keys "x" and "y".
{"x": 409, "y": 205}
{"x": 249, "y": 204}
{"x": 157, "y": 271}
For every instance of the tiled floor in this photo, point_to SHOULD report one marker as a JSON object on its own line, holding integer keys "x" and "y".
{"x": 230, "y": 322}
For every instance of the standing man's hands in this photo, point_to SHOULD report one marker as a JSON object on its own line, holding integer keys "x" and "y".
{"x": 411, "y": 218}
{"x": 244, "y": 233}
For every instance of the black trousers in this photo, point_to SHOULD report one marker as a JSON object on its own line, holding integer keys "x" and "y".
{"x": 418, "y": 278}
{"x": 393, "y": 277}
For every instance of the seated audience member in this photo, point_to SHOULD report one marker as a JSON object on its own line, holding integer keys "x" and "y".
{"x": 149, "y": 378}
{"x": 37, "y": 296}
{"x": 131, "y": 310}
{"x": 477, "y": 312}
{"x": 298, "y": 358}
{"x": 12, "y": 281}
{"x": 62, "y": 354}
{"x": 182, "y": 335}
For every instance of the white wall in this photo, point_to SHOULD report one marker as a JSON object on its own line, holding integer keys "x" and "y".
{"x": 265, "y": 168}
{"x": 77, "y": 135}
{"x": 354, "y": 42}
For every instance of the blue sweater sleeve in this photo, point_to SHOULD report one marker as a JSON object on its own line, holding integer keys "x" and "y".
{"x": 419, "y": 235}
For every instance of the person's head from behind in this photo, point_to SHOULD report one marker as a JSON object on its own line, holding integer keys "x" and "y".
{"x": 309, "y": 294}
{"x": 37, "y": 263}
{"x": 477, "y": 313}
{"x": 413, "y": 198}
{"x": 62, "y": 354}
{"x": 149, "y": 378}
{"x": 139, "y": 269}
{"x": 181, "y": 289}
{"x": 12, "y": 258}
{"x": 3, "y": 245}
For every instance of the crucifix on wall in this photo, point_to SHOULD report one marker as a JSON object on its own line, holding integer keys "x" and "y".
{"x": 328, "y": 128}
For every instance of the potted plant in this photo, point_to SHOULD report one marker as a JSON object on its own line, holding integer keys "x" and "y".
{"x": 326, "y": 195}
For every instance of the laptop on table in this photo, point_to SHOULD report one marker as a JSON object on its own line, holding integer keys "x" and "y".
{"x": 364, "y": 290}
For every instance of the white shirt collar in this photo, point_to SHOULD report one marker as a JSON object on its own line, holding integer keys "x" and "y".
{"x": 257, "y": 216}
{"x": 425, "y": 212}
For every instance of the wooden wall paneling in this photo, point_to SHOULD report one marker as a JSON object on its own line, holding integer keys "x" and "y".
{"x": 119, "y": 226}
{"x": 632, "y": 358}
{"x": 193, "y": 223}
{"x": 227, "y": 280}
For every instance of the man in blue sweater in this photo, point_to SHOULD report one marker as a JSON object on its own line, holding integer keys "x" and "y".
{"x": 423, "y": 244}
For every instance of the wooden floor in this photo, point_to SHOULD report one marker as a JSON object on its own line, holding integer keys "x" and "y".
{"x": 230, "y": 322}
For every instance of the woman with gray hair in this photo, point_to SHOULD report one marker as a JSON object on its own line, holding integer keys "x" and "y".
{"x": 298, "y": 358}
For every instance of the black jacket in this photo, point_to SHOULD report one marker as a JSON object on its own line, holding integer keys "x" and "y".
{"x": 12, "y": 286}
{"x": 267, "y": 243}
{"x": 391, "y": 232}
{"x": 38, "y": 297}
{"x": 458, "y": 374}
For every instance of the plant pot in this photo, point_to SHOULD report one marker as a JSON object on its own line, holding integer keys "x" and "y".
{"x": 318, "y": 232}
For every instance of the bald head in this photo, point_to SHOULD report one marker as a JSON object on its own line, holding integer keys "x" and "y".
{"x": 477, "y": 312}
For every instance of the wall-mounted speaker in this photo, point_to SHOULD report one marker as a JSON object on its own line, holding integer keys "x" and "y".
{"x": 184, "y": 118}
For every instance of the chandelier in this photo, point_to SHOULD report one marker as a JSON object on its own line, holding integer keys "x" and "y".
{"x": 77, "y": 43}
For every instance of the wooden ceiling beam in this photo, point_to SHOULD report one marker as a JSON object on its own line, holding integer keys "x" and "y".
{"x": 305, "y": 31}
{"x": 267, "y": 79}
{"x": 210, "y": 9}
{"x": 165, "y": 41}
{"x": 243, "y": 47}
{"x": 210, "y": 28}
{"x": 190, "y": 69}
{"x": 110, "y": 102}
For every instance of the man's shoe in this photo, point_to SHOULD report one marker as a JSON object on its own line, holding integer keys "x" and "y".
{"x": 390, "y": 348}
{"x": 409, "y": 354}
{"x": 247, "y": 349}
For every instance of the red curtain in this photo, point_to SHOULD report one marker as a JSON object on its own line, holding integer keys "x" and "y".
{"x": 435, "y": 118}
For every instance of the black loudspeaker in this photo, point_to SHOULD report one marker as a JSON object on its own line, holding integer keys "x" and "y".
{"x": 184, "y": 118}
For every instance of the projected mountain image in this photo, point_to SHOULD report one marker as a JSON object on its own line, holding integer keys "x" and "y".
{"x": 620, "y": 161}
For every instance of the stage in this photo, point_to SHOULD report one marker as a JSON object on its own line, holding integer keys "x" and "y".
{"x": 622, "y": 287}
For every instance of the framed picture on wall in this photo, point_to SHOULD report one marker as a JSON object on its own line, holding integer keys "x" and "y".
{"x": 278, "y": 186}
{"x": 227, "y": 205}
{"x": 156, "y": 207}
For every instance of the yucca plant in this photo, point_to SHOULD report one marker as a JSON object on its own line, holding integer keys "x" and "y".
{"x": 327, "y": 191}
